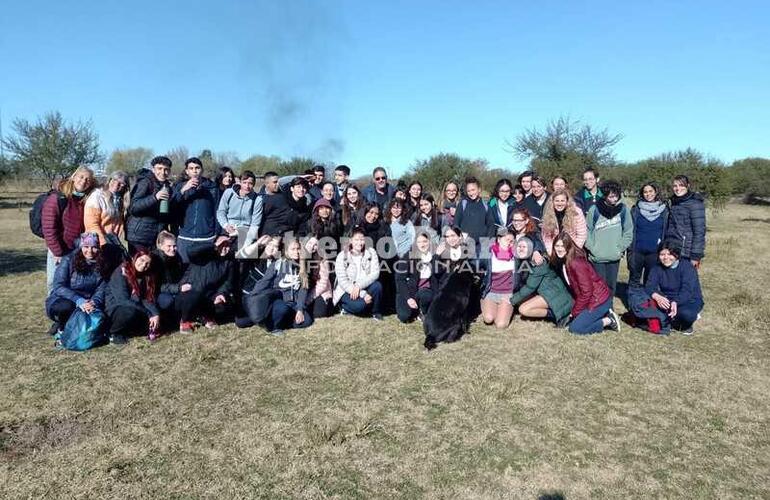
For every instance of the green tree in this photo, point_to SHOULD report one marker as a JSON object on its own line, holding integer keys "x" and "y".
{"x": 707, "y": 175}
{"x": 51, "y": 147}
{"x": 565, "y": 147}
{"x": 178, "y": 155}
{"x": 296, "y": 165}
{"x": 128, "y": 160}
{"x": 439, "y": 169}
{"x": 750, "y": 177}
{"x": 260, "y": 164}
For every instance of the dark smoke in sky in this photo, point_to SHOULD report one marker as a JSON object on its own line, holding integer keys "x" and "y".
{"x": 292, "y": 45}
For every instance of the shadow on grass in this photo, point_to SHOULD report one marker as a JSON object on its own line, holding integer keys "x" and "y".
{"x": 21, "y": 261}
{"x": 754, "y": 219}
{"x": 551, "y": 495}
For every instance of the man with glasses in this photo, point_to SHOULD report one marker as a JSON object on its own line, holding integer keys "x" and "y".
{"x": 379, "y": 191}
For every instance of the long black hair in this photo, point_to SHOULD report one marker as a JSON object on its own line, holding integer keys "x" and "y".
{"x": 221, "y": 175}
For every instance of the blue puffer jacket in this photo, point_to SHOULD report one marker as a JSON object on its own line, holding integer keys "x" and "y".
{"x": 687, "y": 224}
{"x": 199, "y": 206}
{"x": 79, "y": 288}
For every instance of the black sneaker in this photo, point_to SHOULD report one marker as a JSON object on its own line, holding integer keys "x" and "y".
{"x": 55, "y": 327}
{"x": 377, "y": 317}
{"x": 118, "y": 339}
{"x": 563, "y": 323}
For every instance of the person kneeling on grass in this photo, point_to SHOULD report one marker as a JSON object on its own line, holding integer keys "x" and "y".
{"x": 357, "y": 269}
{"x": 498, "y": 282}
{"x": 169, "y": 272}
{"x": 543, "y": 294}
{"x": 77, "y": 283}
{"x": 674, "y": 289}
{"x": 286, "y": 284}
{"x": 591, "y": 312}
{"x": 130, "y": 299}
{"x": 418, "y": 282}
{"x": 207, "y": 285}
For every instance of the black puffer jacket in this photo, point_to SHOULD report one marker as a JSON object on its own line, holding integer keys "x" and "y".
{"x": 211, "y": 274}
{"x": 687, "y": 224}
{"x": 282, "y": 213}
{"x": 169, "y": 271}
{"x": 144, "y": 218}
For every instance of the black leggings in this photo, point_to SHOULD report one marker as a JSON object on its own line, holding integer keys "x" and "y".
{"x": 127, "y": 320}
{"x": 192, "y": 304}
{"x": 61, "y": 310}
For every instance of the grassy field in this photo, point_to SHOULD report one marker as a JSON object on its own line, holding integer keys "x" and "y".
{"x": 354, "y": 408}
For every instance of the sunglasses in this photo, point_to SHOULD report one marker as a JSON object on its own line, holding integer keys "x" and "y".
{"x": 380, "y": 178}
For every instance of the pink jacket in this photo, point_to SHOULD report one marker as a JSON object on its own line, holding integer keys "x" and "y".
{"x": 579, "y": 233}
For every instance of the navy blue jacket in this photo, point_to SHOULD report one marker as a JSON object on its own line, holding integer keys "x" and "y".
{"x": 79, "y": 288}
{"x": 639, "y": 226}
{"x": 687, "y": 224}
{"x": 199, "y": 209}
{"x": 680, "y": 285}
{"x": 475, "y": 218}
{"x": 534, "y": 208}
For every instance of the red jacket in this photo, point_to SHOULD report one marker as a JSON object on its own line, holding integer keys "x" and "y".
{"x": 587, "y": 287}
{"x": 60, "y": 230}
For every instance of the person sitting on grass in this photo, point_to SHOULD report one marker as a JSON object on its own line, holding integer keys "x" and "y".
{"x": 591, "y": 312}
{"x": 130, "y": 300}
{"x": 357, "y": 269}
{"x": 78, "y": 283}
{"x": 287, "y": 284}
{"x": 675, "y": 287}
{"x": 543, "y": 294}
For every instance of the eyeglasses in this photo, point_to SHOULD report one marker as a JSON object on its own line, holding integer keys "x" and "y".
{"x": 380, "y": 178}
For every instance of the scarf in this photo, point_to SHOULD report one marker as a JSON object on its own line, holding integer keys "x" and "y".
{"x": 608, "y": 211}
{"x": 560, "y": 218}
{"x": 650, "y": 210}
{"x": 676, "y": 200}
{"x": 675, "y": 264}
{"x": 502, "y": 253}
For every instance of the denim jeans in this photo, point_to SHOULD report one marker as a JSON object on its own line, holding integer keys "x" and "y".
{"x": 359, "y": 306}
{"x": 50, "y": 270}
{"x": 590, "y": 321}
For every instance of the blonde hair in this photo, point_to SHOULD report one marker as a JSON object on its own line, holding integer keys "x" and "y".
{"x": 67, "y": 187}
{"x": 550, "y": 224}
{"x": 163, "y": 236}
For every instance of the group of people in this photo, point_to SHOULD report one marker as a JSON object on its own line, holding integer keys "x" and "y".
{"x": 200, "y": 252}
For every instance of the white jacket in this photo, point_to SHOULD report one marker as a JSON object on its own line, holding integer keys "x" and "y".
{"x": 352, "y": 272}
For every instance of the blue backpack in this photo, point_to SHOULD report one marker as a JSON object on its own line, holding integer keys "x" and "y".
{"x": 83, "y": 331}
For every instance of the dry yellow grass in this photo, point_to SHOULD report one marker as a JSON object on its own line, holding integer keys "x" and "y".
{"x": 352, "y": 408}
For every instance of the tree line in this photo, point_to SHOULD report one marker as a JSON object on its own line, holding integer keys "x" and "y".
{"x": 52, "y": 147}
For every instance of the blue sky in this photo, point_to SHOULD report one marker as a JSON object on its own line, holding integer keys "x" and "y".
{"x": 385, "y": 83}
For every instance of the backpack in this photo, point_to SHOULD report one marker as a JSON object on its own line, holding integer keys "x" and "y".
{"x": 36, "y": 213}
{"x": 83, "y": 331}
{"x": 464, "y": 203}
{"x": 622, "y": 217}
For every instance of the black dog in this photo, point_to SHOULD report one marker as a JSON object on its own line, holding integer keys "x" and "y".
{"x": 447, "y": 318}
